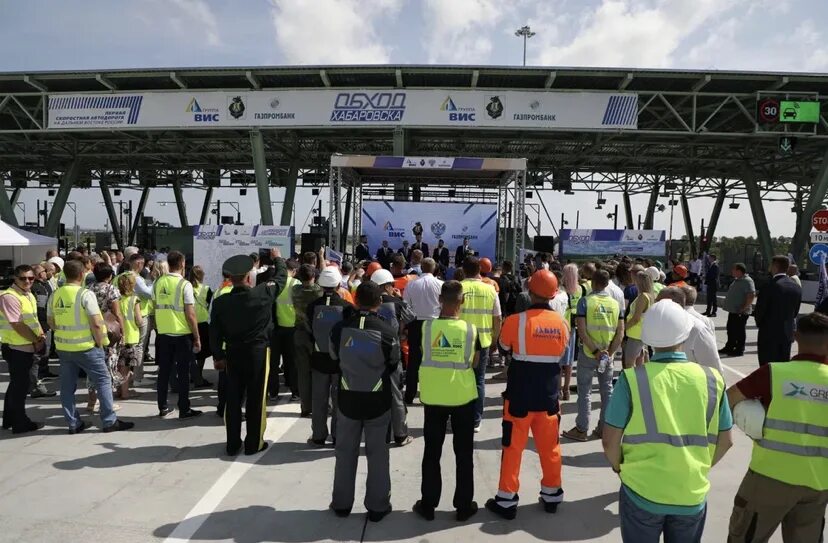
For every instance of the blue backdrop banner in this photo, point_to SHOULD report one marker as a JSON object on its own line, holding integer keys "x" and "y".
{"x": 599, "y": 243}
{"x": 451, "y": 222}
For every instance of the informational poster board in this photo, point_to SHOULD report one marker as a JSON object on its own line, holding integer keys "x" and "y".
{"x": 213, "y": 244}
{"x": 395, "y": 221}
{"x": 602, "y": 243}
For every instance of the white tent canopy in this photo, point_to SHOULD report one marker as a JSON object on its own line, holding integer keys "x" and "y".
{"x": 22, "y": 247}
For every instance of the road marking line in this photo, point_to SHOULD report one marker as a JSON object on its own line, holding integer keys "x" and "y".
{"x": 737, "y": 372}
{"x": 276, "y": 428}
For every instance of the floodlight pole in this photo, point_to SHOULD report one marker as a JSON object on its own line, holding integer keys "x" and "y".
{"x": 525, "y": 32}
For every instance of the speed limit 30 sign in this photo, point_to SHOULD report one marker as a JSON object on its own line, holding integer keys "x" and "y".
{"x": 769, "y": 110}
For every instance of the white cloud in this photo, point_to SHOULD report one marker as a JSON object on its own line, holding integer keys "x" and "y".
{"x": 331, "y": 31}
{"x": 188, "y": 15}
{"x": 460, "y": 31}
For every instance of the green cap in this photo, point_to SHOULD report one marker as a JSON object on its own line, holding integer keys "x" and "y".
{"x": 237, "y": 265}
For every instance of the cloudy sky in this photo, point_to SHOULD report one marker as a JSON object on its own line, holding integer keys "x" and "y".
{"x": 780, "y": 35}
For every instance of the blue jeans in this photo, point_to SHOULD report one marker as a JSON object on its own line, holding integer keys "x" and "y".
{"x": 587, "y": 368}
{"x": 639, "y": 526}
{"x": 480, "y": 377}
{"x": 94, "y": 364}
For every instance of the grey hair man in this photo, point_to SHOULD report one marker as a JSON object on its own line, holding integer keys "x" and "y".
{"x": 700, "y": 346}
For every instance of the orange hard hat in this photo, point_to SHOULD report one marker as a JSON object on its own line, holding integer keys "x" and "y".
{"x": 681, "y": 271}
{"x": 485, "y": 265}
{"x": 372, "y": 267}
{"x": 543, "y": 283}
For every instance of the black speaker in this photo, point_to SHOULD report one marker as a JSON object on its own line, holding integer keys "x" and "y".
{"x": 312, "y": 242}
{"x": 544, "y": 244}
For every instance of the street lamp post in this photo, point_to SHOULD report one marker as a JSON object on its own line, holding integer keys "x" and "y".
{"x": 76, "y": 233}
{"x": 525, "y": 32}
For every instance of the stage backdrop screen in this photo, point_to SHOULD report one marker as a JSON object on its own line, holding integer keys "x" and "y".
{"x": 213, "y": 244}
{"x": 600, "y": 243}
{"x": 451, "y": 222}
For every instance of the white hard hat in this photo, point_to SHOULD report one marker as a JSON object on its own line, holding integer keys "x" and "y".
{"x": 653, "y": 272}
{"x": 57, "y": 261}
{"x": 330, "y": 277}
{"x": 129, "y": 251}
{"x": 749, "y": 415}
{"x": 666, "y": 324}
{"x": 382, "y": 277}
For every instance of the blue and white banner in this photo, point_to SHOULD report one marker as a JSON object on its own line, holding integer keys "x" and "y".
{"x": 215, "y": 243}
{"x": 394, "y": 222}
{"x": 599, "y": 243}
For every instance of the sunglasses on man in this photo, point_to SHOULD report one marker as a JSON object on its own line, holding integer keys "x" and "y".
{"x": 26, "y": 278}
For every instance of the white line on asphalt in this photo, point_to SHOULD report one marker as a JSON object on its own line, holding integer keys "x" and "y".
{"x": 276, "y": 428}
{"x": 737, "y": 372}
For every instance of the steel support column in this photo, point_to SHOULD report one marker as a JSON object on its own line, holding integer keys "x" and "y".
{"x": 15, "y": 195}
{"x": 815, "y": 200}
{"x": 110, "y": 212}
{"x": 62, "y": 196}
{"x": 628, "y": 210}
{"x": 651, "y": 205}
{"x": 400, "y": 145}
{"x": 139, "y": 214}
{"x": 180, "y": 204}
{"x": 688, "y": 224}
{"x": 262, "y": 183}
{"x": 290, "y": 194}
{"x": 718, "y": 205}
{"x": 349, "y": 196}
{"x": 205, "y": 207}
{"x": 7, "y": 208}
{"x": 758, "y": 211}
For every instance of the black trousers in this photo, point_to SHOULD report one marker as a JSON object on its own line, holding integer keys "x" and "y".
{"x": 14, "y": 404}
{"x": 736, "y": 334}
{"x": 281, "y": 351}
{"x": 415, "y": 356}
{"x": 434, "y": 434}
{"x": 772, "y": 347}
{"x": 174, "y": 351}
{"x": 712, "y": 300}
{"x": 221, "y": 392}
{"x": 247, "y": 369}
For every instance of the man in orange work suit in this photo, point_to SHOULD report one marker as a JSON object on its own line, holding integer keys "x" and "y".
{"x": 538, "y": 339}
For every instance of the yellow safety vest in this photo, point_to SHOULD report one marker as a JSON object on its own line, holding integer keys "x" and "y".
{"x": 223, "y": 290}
{"x": 201, "y": 306}
{"x": 132, "y": 334}
{"x": 145, "y": 303}
{"x": 285, "y": 311}
{"x": 168, "y": 295}
{"x": 794, "y": 444}
{"x": 478, "y": 307}
{"x": 446, "y": 372}
{"x": 657, "y": 287}
{"x": 572, "y": 307}
{"x": 670, "y": 440}
{"x": 72, "y": 331}
{"x": 602, "y": 313}
{"x": 28, "y": 316}
{"x": 634, "y": 332}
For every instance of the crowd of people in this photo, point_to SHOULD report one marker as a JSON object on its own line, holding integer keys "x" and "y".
{"x": 357, "y": 343}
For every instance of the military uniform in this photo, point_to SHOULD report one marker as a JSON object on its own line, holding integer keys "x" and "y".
{"x": 398, "y": 314}
{"x": 240, "y": 327}
{"x": 302, "y": 296}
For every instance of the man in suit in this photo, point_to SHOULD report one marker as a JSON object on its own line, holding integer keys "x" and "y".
{"x": 420, "y": 244}
{"x": 776, "y": 312}
{"x": 462, "y": 251}
{"x": 384, "y": 254}
{"x": 362, "y": 252}
{"x": 711, "y": 279}
{"x": 405, "y": 250}
{"x": 441, "y": 254}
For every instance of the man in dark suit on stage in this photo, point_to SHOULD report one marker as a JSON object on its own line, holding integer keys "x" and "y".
{"x": 460, "y": 254}
{"x": 441, "y": 254}
{"x": 420, "y": 244}
{"x": 362, "y": 252}
{"x": 776, "y": 312}
{"x": 405, "y": 250}
{"x": 384, "y": 254}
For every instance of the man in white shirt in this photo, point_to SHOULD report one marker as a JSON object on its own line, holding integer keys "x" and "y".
{"x": 690, "y": 296}
{"x": 617, "y": 295}
{"x": 423, "y": 297}
{"x": 700, "y": 346}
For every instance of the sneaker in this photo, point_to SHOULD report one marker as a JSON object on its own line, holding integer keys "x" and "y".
{"x": 576, "y": 434}
{"x": 191, "y": 414}
{"x": 119, "y": 426}
{"x": 376, "y": 516}
{"x": 477, "y": 427}
{"x": 597, "y": 433}
{"x": 77, "y": 429}
{"x": 341, "y": 513}
{"x": 421, "y": 509}
{"x": 495, "y": 507}
{"x": 42, "y": 393}
{"x": 47, "y": 375}
{"x": 403, "y": 441}
{"x": 166, "y": 412}
{"x": 468, "y": 512}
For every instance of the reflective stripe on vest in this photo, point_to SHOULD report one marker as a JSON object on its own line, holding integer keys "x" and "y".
{"x": 446, "y": 372}
{"x": 794, "y": 444}
{"x": 169, "y": 309}
{"x": 285, "y": 311}
{"x": 325, "y": 317}
{"x": 201, "y": 306}
{"x": 132, "y": 334}
{"x": 602, "y": 313}
{"x": 522, "y": 354}
{"x": 478, "y": 307}
{"x": 72, "y": 328}
{"x": 28, "y": 316}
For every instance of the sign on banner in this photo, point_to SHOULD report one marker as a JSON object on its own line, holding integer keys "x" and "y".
{"x": 346, "y": 108}
{"x": 213, "y": 244}
{"x": 599, "y": 243}
{"x": 394, "y": 222}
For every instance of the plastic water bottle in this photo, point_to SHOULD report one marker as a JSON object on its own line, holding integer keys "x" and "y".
{"x": 603, "y": 363}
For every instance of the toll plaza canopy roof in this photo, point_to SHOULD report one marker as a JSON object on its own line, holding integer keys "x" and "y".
{"x": 758, "y": 135}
